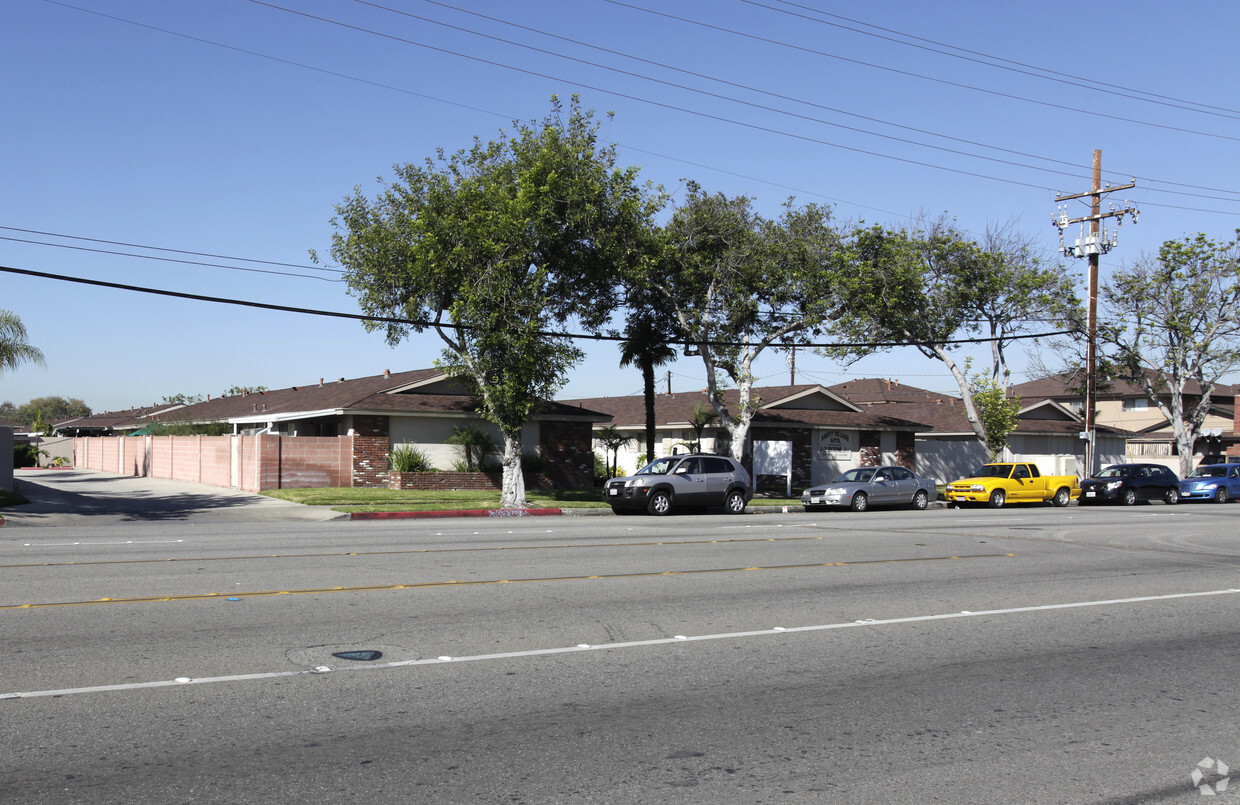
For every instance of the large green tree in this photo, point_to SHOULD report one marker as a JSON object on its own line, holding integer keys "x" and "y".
{"x": 496, "y": 247}
{"x": 928, "y": 286}
{"x": 14, "y": 348}
{"x": 54, "y": 409}
{"x": 1172, "y": 320}
{"x": 738, "y": 282}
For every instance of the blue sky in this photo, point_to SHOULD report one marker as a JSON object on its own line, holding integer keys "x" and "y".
{"x": 232, "y": 128}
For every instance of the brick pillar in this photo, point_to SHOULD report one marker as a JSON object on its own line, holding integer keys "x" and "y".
{"x": 371, "y": 443}
{"x": 567, "y": 456}
{"x": 871, "y": 443}
{"x": 906, "y": 449}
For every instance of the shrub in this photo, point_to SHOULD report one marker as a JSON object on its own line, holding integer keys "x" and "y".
{"x": 25, "y": 455}
{"x": 408, "y": 458}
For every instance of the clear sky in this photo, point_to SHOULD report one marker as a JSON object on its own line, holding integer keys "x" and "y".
{"x": 200, "y": 147}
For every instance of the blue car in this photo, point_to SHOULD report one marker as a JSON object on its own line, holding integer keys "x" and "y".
{"x": 1217, "y": 482}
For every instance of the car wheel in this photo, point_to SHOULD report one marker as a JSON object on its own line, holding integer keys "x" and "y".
{"x": 1129, "y": 497}
{"x": 921, "y": 499}
{"x": 860, "y": 502}
{"x": 1221, "y": 495}
{"x": 660, "y": 503}
{"x": 1062, "y": 497}
{"x": 1173, "y": 497}
{"x": 735, "y": 503}
{"x": 997, "y": 499}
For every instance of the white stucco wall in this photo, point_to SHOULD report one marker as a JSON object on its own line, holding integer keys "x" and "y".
{"x": 430, "y": 435}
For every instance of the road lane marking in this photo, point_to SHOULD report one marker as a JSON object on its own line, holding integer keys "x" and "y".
{"x": 454, "y": 582}
{"x": 242, "y": 557}
{"x": 867, "y": 623}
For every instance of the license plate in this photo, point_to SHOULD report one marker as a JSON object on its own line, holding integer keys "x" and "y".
{"x": 613, "y": 491}
{"x": 815, "y": 500}
{"x": 1090, "y": 494}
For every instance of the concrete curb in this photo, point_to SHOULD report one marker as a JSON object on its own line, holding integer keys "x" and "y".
{"x": 591, "y": 512}
{"x": 430, "y": 515}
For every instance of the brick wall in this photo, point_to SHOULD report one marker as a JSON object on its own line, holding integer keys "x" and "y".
{"x": 871, "y": 448}
{"x": 567, "y": 454}
{"x": 802, "y": 459}
{"x": 371, "y": 442}
{"x": 906, "y": 449}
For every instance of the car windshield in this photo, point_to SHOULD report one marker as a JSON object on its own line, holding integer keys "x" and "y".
{"x": 1208, "y": 472}
{"x": 862, "y": 475}
{"x": 1115, "y": 472}
{"x": 660, "y": 466}
{"x": 993, "y": 471}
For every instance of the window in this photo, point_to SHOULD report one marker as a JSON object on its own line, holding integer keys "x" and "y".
{"x": 1137, "y": 405}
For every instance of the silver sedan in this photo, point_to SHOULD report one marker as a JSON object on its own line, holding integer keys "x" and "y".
{"x": 860, "y": 488}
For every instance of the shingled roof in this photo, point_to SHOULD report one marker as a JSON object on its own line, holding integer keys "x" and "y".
{"x": 420, "y": 391}
{"x": 778, "y": 405}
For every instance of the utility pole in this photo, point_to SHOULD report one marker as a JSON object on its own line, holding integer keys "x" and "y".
{"x": 1098, "y": 241}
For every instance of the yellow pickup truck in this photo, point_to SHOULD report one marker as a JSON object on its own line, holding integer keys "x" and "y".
{"x": 997, "y": 484}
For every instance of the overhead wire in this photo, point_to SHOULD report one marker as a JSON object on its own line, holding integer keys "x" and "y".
{"x": 1021, "y": 68}
{"x": 428, "y": 323}
{"x": 921, "y": 76}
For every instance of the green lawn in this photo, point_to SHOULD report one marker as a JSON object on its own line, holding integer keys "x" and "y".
{"x": 349, "y": 499}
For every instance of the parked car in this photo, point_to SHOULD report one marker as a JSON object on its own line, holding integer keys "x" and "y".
{"x": 1013, "y": 482}
{"x": 1217, "y": 482}
{"x": 1128, "y": 483}
{"x": 681, "y": 482}
{"x": 860, "y": 488}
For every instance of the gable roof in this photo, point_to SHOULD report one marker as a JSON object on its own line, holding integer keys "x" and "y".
{"x": 1066, "y": 386}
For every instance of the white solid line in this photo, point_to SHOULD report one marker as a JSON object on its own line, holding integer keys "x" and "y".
{"x": 777, "y": 630}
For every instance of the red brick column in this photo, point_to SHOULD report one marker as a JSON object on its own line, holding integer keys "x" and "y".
{"x": 371, "y": 443}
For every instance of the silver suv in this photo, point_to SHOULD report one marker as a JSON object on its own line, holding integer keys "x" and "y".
{"x": 681, "y": 482}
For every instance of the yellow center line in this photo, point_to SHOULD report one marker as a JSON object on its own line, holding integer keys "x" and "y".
{"x": 457, "y": 582}
{"x": 661, "y": 543}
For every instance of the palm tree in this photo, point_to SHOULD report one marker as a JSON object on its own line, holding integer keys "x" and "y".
{"x": 612, "y": 439}
{"x": 647, "y": 347}
{"x": 13, "y": 347}
{"x": 475, "y": 443}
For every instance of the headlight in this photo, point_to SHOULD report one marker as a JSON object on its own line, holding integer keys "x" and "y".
{"x": 977, "y": 488}
{"x": 1207, "y": 484}
{"x": 1115, "y": 485}
{"x": 636, "y": 482}
{"x": 835, "y": 490}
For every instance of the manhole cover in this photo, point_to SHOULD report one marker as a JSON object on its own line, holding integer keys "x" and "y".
{"x": 332, "y": 654}
{"x": 365, "y": 655}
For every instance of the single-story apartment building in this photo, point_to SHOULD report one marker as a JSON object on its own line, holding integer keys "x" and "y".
{"x": 348, "y": 427}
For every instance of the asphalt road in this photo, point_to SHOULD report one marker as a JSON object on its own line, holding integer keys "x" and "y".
{"x": 1025, "y": 655}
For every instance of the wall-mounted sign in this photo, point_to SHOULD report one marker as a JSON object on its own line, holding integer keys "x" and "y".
{"x": 836, "y": 445}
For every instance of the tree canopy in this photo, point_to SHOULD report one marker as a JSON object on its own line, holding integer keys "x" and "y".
{"x": 929, "y": 286}
{"x": 14, "y": 348}
{"x": 738, "y": 282}
{"x": 495, "y": 248}
{"x": 1171, "y": 320}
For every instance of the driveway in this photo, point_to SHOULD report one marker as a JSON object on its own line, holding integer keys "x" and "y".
{"x": 87, "y": 497}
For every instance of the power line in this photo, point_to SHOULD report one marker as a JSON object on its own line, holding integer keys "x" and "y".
{"x": 167, "y": 259}
{"x": 424, "y": 323}
{"x": 1042, "y": 73}
{"x": 402, "y": 90}
{"x": 911, "y": 74}
{"x": 164, "y": 249}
